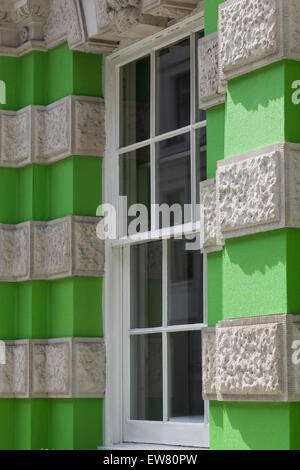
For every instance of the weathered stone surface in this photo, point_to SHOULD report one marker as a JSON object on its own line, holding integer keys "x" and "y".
{"x": 71, "y": 126}
{"x": 89, "y": 367}
{"x": 209, "y": 356}
{"x": 211, "y": 92}
{"x": 256, "y": 359}
{"x": 249, "y": 192}
{"x": 256, "y": 33}
{"x": 14, "y": 252}
{"x": 88, "y": 249}
{"x": 173, "y": 9}
{"x": 14, "y": 373}
{"x": 67, "y": 368}
{"x": 51, "y": 250}
{"x": 210, "y": 238}
{"x": 64, "y": 22}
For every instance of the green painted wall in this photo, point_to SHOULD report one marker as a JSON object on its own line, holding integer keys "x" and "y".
{"x": 65, "y": 307}
{"x": 257, "y": 274}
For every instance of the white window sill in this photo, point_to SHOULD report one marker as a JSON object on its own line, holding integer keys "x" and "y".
{"x": 135, "y": 446}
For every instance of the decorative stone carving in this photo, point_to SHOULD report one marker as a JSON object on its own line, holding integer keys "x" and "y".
{"x": 50, "y": 250}
{"x": 14, "y": 252}
{"x": 64, "y": 22}
{"x": 44, "y": 134}
{"x": 54, "y": 368}
{"x": 210, "y": 238}
{"x": 14, "y": 374}
{"x": 255, "y": 359}
{"x": 209, "y": 366}
{"x": 256, "y": 33}
{"x": 211, "y": 92}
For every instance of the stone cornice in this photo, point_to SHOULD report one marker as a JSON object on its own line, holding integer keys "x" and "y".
{"x": 96, "y": 26}
{"x": 54, "y": 368}
{"x": 251, "y": 359}
{"x": 44, "y": 134}
{"x": 56, "y": 249}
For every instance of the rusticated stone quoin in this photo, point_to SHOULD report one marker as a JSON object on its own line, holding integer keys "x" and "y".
{"x": 255, "y": 192}
{"x": 37, "y": 134}
{"x": 50, "y": 250}
{"x": 256, "y": 359}
{"x": 255, "y": 33}
{"x": 54, "y": 368}
{"x": 211, "y": 91}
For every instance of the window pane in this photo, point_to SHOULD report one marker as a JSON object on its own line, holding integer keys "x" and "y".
{"x": 135, "y": 102}
{"x": 174, "y": 172}
{"x": 146, "y": 285}
{"x": 146, "y": 377}
{"x": 200, "y": 159}
{"x": 185, "y": 377}
{"x": 134, "y": 173}
{"x": 200, "y": 113}
{"x": 173, "y": 87}
{"x": 185, "y": 291}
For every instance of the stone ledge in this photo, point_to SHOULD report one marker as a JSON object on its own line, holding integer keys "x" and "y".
{"x": 51, "y": 250}
{"x": 254, "y": 192}
{"x": 256, "y": 33}
{"x": 45, "y": 134}
{"x": 54, "y": 368}
{"x": 250, "y": 359}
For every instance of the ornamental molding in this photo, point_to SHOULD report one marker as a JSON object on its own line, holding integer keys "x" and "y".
{"x": 96, "y": 26}
{"x": 54, "y": 368}
{"x": 57, "y": 249}
{"x": 45, "y": 134}
{"x": 256, "y": 33}
{"x": 252, "y": 359}
{"x": 254, "y": 192}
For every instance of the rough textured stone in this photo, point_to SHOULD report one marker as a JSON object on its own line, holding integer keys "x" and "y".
{"x": 249, "y": 192}
{"x": 64, "y": 22}
{"x": 210, "y": 238}
{"x": 51, "y": 250}
{"x": 44, "y": 134}
{"x": 89, "y": 367}
{"x": 211, "y": 92}
{"x": 209, "y": 356}
{"x": 14, "y": 374}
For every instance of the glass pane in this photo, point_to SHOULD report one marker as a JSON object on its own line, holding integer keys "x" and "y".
{"x": 134, "y": 173}
{"x": 173, "y": 87}
{"x": 200, "y": 159}
{"x": 146, "y": 285}
{"x": 185, "y": 290}
{"x": 174, "y": 173}
{"x": 135, "y": 102}
{"x": 185, "y": 377}
{"x": 200, "y": 113}
{"x": 146, "y": 400}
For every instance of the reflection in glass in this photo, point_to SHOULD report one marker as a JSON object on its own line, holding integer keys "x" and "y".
{"x": 185, "y": 377}
{"x": 146, "y": 402}
{"x": 146, "y": 285}
{"x": 134, "y": 173}
{"x": 173, "y": 87}
{"x": 174, "y": 173}
{"x": 200, "y": 159}
{"x": 185, "y": 284}
{"x": 135, "y": 102}
{"x": 200, "y": 113}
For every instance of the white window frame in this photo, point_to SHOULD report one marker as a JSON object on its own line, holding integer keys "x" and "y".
{"x": 115, "y": 288}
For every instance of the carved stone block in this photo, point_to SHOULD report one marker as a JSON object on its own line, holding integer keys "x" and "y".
{"x": 211, "y": 91}
{"x": 51, "y": 249}
{"x": 64, "y": 22}
{"x": 255, "y": 33}
{"x": 209, "y": 357}
{"x": 88, "y": 249}
{"x": 210, "y": 238}
{"x": 257, "y": 359}
{"x": 88, "y": 126}
{"x": 89, "y": 367}
{"x": 14, "y": 374}
{"x": 15, "y": 252}
{"x": 16, "y": 137}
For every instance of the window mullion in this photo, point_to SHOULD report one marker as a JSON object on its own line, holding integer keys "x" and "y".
{"x": 193, "y": 76}
{"x": 165, "y": 322}
{"x": 193, "y": 175}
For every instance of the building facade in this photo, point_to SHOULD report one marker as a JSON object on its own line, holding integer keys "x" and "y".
{"x": 181, "y": 327}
